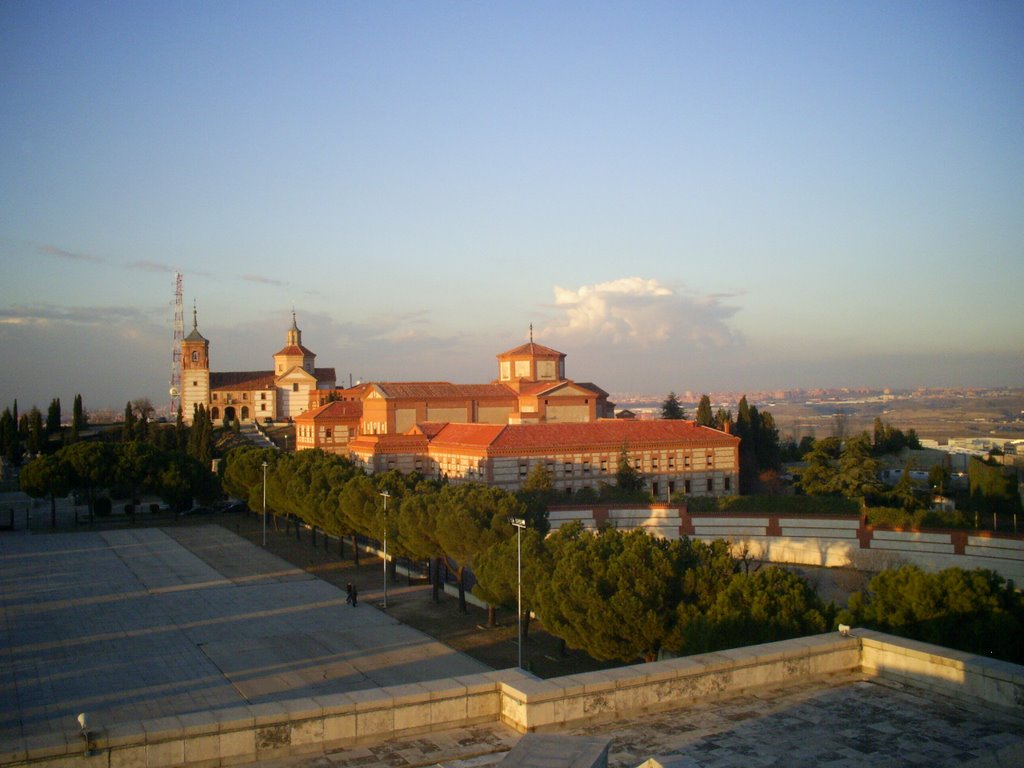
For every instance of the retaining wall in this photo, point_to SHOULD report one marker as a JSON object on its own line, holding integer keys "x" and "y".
{"x": 308, "y": 726}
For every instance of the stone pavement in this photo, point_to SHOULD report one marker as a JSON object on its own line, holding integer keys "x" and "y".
{"x": 129, "y": 625}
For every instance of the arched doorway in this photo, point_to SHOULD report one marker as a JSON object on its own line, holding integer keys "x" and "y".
{"x": 245, "y": 413}
{"x": 229, "y": 413}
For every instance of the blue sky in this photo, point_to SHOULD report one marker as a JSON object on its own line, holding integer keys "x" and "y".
{"x": 688, "y": 196}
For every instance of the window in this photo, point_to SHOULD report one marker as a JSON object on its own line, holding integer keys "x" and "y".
{"x": 245, "y": 395}
{"x": 568, "y": 467}
{"x": 671, "y": 462}
{"x": 214, "y": 395}
{"x": 263, "y": 395}
{"x": 522, "y": 470}
{"x": 727, "y": 484}
{"x": 604, "y": 466}
{"x": 295, "y": 387}
{"x": 195, "y": 356}
{"x": 327, "y": 434}
{"x": 586, "y": 467}
{"x": 654, "y": 465}
{"x": 711, "y": 459}
{"x": 711, "y": 485}
{"x": 686, "y": 462}
{"x": 263, "y": 407}
{"x": 686, "y": 486}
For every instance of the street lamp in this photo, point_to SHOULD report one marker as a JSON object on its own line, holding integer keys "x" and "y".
{"x": 264, "y": 505}
{"x": 386, "y": 496}
{"x": 519, "y": 524}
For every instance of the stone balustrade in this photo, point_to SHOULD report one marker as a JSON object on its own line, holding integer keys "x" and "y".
{"x": 308, "y": 726}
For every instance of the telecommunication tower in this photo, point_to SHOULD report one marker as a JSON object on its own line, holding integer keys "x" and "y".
{"x": 179, "y": 337}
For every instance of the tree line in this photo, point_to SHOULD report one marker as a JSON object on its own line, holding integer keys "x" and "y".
{"x": 760, "y": 451}
{"x": 616, "y": 595}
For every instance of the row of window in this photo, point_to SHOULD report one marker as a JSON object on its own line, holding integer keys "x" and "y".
{"x": 229, "y": 395}
{"x": 569, "y": 467}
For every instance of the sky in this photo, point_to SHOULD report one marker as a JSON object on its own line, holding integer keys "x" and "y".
{"x": 679, "y": 196}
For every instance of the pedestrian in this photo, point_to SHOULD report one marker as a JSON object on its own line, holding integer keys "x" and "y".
{"x": 348, "y": 593}
{"x": 355, "y": 595}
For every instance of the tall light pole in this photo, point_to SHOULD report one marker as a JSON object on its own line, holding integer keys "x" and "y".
{"x": 264, "y": 505}
{"x": 519, "y": 524}
{"x": 386, "y": 496}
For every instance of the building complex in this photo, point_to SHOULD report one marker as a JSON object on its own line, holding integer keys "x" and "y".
{"x": 496, "y": 433}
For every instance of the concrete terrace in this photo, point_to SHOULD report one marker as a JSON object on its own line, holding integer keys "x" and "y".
{"x": 191, "y": 646}
{"x": 131, "y": 625}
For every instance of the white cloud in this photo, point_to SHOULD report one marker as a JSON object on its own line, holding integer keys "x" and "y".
{"x": 641, "y": 312}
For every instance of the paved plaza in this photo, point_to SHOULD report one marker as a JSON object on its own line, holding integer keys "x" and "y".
{"x": 130, "y": 625}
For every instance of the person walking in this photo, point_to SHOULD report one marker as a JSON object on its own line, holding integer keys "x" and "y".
{"x": 355, "y": 595}
{"x": 348, "y": 593}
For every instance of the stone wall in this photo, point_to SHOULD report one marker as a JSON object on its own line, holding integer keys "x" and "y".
{"x": 308, "y": 726}
{"x": 842, "y": 542}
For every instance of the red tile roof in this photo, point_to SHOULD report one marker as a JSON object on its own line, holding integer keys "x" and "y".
{"x": 534, "y": 350}
{"x": 423, "y": 390}
{"x": 606, "y": 435}
{"x": 294, "y": 349}
{"x": 467, "y": 435}
{"x": 248, "y": 380}
{"x": 338, "y": 409}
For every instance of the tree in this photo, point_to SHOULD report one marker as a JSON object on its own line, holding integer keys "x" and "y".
{"x": 497, "y": 572}
{"x": 627, "y": 478}
{"x": 993, "y": 488}
{"x": 47, "y": 476}
{"x": 723, "y": 420}
{"x": 903, "y": 494}
{"x": 704, "y": 416}
{"x": 472, "y": 518}
{"x": 938, "y": 479}
{"x": 818, "y": 476}
{"x": 36, "y": 432}
{"x": 671, "y": 408}
{"x": 93, "y": 466}
{"x": 612, "y": 594}
{"x": 417, "y": 516}
{"x": 759, "y": 607}
{"x": 128, "y": 430}
{"x": 78, "y": 419}
{"x": 975, "y": 611}
{"x": 53, "y": 418}
{"x": 857, "y": 474}
{"x": 10, "y": 443}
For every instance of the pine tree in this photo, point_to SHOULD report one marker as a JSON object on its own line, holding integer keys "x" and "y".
{"x": 78, "y": 421}
{"x": 704, "y": 416}
{"x": 36, "y": 435}
{"x": 53, "y": 417}
{"x": 671, "y": 408}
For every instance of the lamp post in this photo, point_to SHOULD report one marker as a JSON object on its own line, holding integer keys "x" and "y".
{"x": 264, "y": 505}
{"x": 519, "y": 524}
{"x": 386, "y": 496}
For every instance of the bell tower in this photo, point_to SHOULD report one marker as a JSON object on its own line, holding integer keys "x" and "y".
{"x": 195, "y": 370}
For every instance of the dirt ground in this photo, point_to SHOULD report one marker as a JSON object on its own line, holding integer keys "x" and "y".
{"x": 411, "y": 603}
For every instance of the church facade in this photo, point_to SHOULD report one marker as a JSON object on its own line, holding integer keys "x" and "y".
{"x": 279, "y": 394}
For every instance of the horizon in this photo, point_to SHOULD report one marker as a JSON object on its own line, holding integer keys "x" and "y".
{"x": 729, "y": 198}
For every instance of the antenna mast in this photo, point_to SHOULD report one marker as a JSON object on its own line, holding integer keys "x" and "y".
{"x": 179, "y": 337}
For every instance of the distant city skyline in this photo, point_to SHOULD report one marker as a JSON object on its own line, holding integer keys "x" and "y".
{"x": 679, "y": 197}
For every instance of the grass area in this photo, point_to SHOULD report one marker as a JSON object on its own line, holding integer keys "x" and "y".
{"x": 774, "y": 505}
